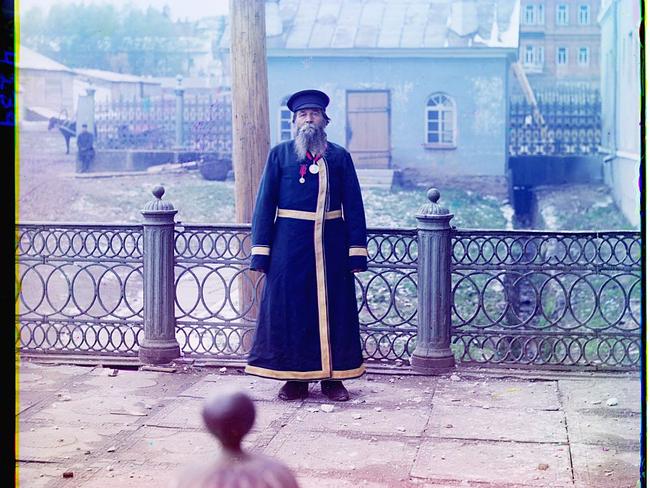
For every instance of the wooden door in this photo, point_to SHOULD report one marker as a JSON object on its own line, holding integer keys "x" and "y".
{"x": 368, "y": 128}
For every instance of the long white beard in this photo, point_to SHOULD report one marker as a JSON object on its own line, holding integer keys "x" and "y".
{"x": 310, "y": 138}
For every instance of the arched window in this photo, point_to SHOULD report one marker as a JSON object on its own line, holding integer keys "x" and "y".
{"x": 440, "y": 121}
{"x": 285, "y": 121}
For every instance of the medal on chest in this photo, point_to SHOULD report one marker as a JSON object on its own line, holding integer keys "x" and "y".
{"x": 313, "y": 167}
{"x": 303, "y": 171}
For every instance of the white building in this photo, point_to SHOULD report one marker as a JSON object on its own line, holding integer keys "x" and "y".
{"x": 621, "y": 93}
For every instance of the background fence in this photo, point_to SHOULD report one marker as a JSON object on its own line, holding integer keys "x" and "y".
{"x": 571, "y": 125}
{"x": 538, "y": 299}
{"x": 154, "y": 123}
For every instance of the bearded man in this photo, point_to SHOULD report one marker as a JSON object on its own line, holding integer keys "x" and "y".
{"x": 309, "y": 237}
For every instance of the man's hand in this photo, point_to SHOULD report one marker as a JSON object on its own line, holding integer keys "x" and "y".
{"x": 356, "y": 270}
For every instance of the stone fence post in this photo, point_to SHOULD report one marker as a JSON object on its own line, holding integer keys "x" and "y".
{"x": 433, "y": 353}
{"x": 180, "y": 104}
{"x": 159, "y": 345}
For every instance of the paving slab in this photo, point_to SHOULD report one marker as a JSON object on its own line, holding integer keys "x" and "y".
{"x": 129, "y": 475}
{"x": 618, "y": 428}
{"x": 338, "y": 456}
{"x": 259, "y": 389}
{"x": 309, "y": 481}
{"x": 38, "y": 475}
{"x": 477, "y": 391}
{"x": 497, "y": 424}
{"x": 48, "y": 378}
{"x": 156, "y": 384}
{"x": 49, "y": 442}
{"x": 495, "y": 463}
{"x": 375, "y": 389}
{"x": 379, "y": 421}
{"x": 28, "y": 399}
{"x": 188, "y": 414}
{"x": 83, "y": 409}
{"x": 599, "y": 466}
{"x": 590, "y": 393}
{"x": 171, "y": 446}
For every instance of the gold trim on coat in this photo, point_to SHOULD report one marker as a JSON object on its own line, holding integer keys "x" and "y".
{"x": 321, "y": 278}
{"x": 305, "y": 375}
{"x": 260, "y": 251}
{"x": 303, "y": 215}
{"x": 358, "y": 251}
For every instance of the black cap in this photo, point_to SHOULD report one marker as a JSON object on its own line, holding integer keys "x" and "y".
{"x": 308, "y": 99}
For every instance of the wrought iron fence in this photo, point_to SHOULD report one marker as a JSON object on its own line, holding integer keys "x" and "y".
{"x": 142, "y": 123}
{"x": 571, "y": 123}
{"x": 561, "y": 299}
{"x": 547, "y": 298}
{"x": 79, "y": 288}
{"x": 153, "y": 122}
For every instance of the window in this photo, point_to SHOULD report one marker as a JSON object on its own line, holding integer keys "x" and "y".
{"x": 529, "y": 56}
{"x": 440, "y": 121}
{"x": 561, "y": 55}
{"x": 583, "y": 56}
{"x": 540, "y": 14}
{"x": 285, "y": 121}
{"x": 529, "y": 15}
{"x": 533, "y": 56}
{"x": 533, "y": 14}
{"x": 562, "y": 14}
{"x": 583, "y": 15}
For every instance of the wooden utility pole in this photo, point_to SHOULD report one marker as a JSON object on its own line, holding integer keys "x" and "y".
{"x": 250, "y": 101}
{"x": 250, "y": 124}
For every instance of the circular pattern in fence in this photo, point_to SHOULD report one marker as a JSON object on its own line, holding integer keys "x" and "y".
{"x": 387, "y": 345}
{"x": 212, "y": 292}
{"x": 80, "y": 337}
{"x": 386, "y": 296}
{"x": 564, "y": 351}
{"x": 228, "y": 340}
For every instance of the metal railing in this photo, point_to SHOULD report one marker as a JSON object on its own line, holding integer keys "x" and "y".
{"x": 178, "y": 121}
{"x": 536, "y": 298}
{"x": 547, "y": 298}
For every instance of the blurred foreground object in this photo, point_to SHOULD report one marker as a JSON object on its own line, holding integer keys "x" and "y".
{"x": 230, "y": 417}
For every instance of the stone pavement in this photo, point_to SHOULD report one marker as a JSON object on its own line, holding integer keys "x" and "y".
{"x": 473, "y": 428}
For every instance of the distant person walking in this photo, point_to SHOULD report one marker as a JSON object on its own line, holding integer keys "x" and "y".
{"x": 86, "y": 152}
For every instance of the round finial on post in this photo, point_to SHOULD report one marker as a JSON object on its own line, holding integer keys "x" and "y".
{"x": 158, "y": 205}
{"x": 433, "y": 194}
{"x": 432, "y": 208}
{"x": 229, "y": 418}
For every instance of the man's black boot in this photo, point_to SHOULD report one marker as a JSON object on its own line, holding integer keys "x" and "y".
{"x": 294, "y": 390}
{"x": 334, "y": 390}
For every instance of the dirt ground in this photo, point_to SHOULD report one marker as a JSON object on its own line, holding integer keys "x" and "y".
{"x": 47, "y": 186}
{"x": 48, "y": 190}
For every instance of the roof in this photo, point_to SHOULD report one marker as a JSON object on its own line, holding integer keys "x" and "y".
{"x": 389, "y": 24}
{"x": 186, "y": 82}
{"x": 30, "y": 59}
{"x": 114, "y": 77}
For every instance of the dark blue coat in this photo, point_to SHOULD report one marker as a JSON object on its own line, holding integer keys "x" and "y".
{"x": 307, "y": 238}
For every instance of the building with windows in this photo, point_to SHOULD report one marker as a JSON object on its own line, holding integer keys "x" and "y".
{"x": 560, "y": 42}
{"x": 46, "y": 86}
{"x": 620, "y": 21}
{"x": 417, "y": 84}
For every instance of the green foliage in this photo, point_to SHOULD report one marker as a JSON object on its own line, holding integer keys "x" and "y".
{"x": 102, "y": 37}
{"x": 398, "y": 208}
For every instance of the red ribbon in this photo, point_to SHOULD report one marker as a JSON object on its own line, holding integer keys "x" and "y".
{"x": 311, "y": 158}
{"x": 303, "y": 170}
